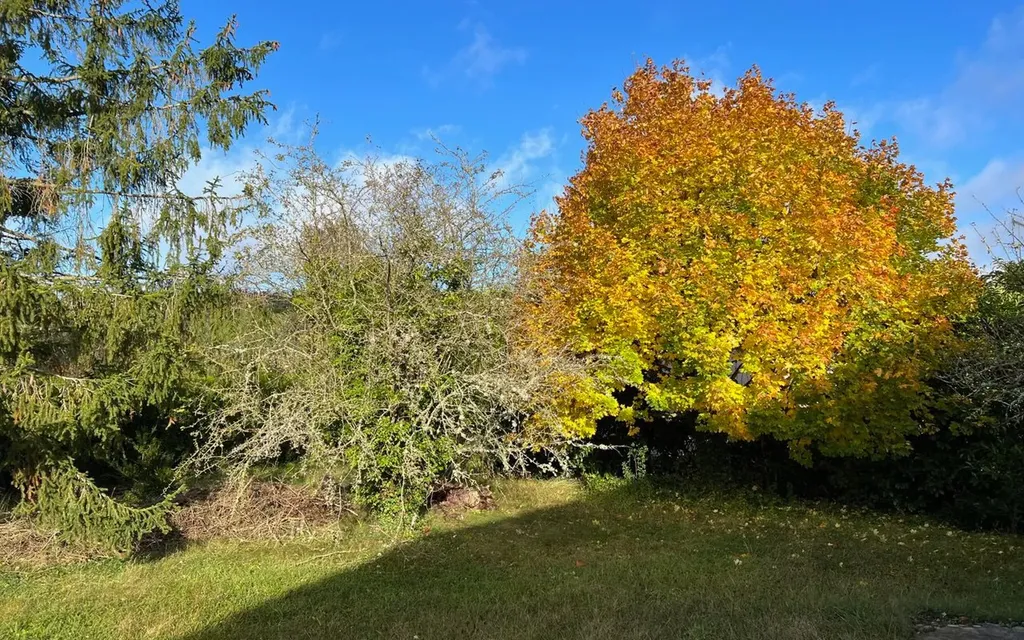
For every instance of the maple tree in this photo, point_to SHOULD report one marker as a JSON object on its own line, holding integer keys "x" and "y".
{"x": 743, "y": 256}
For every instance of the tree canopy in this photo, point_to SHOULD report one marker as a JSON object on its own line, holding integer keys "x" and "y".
{"x": 743, "y": 256}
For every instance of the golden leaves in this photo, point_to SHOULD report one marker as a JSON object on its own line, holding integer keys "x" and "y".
{"x": 701, "y": 223}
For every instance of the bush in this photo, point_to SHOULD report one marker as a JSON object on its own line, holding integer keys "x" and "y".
{"x": 391, "y": 369}
{"x": 980, "y": 462}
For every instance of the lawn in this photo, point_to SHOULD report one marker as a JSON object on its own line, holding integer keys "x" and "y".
{"x": 552, "y": 561}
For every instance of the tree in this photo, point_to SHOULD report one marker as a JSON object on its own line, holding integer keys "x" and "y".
{"x": 387, "y": 365}
{"x": 988, "y": 484}
{"x": 106, "y": 266}
{"x": 743, "y": 257}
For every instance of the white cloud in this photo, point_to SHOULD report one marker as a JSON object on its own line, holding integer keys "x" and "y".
{"x": 863, "y": 119}
{"x": 479, "y": 61}
{"x": 532, "y": 162}
{"x": 361, "y": 166}
{"x": 940, "y": 121}
{"x": 995, "y": 73}
{"x": 231, "y": 166}
{"x": 859, "y": 117}
{"x": 518, "y": 164}
{"x": 983, "y": 201}
{"x": 996, "y": 184}
{"x": 355, "y": 161}
{"x": 988, "y": 81}
{"x": 714, "y": 67}
{"x": 227, "y": 167}
{"x": 547, "y": 192}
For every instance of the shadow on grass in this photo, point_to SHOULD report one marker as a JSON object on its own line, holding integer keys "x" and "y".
{"x": 619, "y": 565}
{"x": 159, "y": 546}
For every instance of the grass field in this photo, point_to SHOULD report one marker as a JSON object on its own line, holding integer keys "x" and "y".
{"x": 553, "y": 561}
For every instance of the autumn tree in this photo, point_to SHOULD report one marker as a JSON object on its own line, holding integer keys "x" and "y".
{"x": 106, "y": 266}
{"x": 744, "y": 257}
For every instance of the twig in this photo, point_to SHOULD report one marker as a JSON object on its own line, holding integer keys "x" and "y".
{"x": 328, "y": 555}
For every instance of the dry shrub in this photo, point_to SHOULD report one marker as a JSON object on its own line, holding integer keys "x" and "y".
{"x": 247, "y": 510}
{"x": 24, "y": 545}
{"x": 454, "y": 502}
{"x": 254, "y": 510}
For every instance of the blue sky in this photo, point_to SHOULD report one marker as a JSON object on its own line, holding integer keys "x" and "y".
{"x": 513, "y": 78}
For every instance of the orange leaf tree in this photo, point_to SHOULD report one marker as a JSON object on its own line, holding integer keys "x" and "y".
{"x": 744, "y": 257}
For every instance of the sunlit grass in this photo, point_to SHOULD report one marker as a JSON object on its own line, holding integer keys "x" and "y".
{"x": 553, "y": 561}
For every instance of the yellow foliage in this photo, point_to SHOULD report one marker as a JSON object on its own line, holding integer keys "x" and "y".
{"x": 708, "y": 230}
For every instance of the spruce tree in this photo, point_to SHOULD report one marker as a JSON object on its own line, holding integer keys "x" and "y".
{"x": 107, "y": 269}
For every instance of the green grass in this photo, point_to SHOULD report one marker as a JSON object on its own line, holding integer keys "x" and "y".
{"x": 553, "y": 561}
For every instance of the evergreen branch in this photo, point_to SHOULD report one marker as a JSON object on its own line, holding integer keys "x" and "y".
{"x": 51, "y": 15}
{"x": 139, "y": 195}
{"x": 51, "y": 374}
{"x": 105, "y": 114}
{"x": 31, "y": 78}
{"x": 17, "y": 235}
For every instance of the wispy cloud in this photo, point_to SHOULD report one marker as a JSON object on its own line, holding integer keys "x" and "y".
{"x": 714, "y": 66}
{"x": 988, "y": 82}
{"x": 858, "y": 117}
{"x": 984, "y": 199}
{"x": 994, "y": 75}
{"x": 479, "y": 61}
{"x": 862, "y": 119}
{"x": 427, "y": 134}
{"x": 533, "y": 162}
{"x": 987, "y": 87}
{"x": 230, "y": 167}
{"x": 997, "y": 183}
{"x": 939, "y": 121}
{"x": 519, "y": 164}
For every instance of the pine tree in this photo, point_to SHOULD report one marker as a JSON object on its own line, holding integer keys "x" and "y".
{"x": 106, "y": 266}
